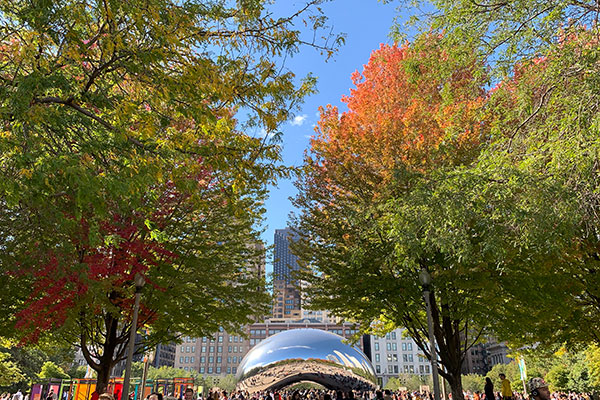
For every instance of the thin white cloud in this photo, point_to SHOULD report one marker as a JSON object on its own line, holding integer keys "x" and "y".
{"x": 299, "y": 120}
{"x": 262, "y": 133}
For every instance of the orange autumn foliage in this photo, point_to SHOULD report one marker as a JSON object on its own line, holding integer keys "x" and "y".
{"x": 413, "y": 108}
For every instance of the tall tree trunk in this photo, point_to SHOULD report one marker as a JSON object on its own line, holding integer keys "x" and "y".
{"x": 456, "y": 388}
{"x": 103, "y": 378}
{"x": 104, "y": 362}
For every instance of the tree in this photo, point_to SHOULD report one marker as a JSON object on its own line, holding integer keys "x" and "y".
{"x": 51, "y": 370}
{"x": 123, "y": 153}
{"x": 367, "y": 223}
{"x": 165, "y": 372}
{"x": 507, "y": 32}
{"x": 593, "y": 359}
{"x": 412, "y": 382}
{"x": 29, "y": 360}
{"x": 393, "y": 384}
{"x": 77, "y": 372}
{"x": 542, "y": 132}
{"x": 473, "y": 383}
{"x": 544, "y": 54}
{"x": 227, "y": 382}
{"x": 9, "y": 372}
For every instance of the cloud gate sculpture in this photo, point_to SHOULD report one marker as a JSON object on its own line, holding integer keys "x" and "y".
{"x": 300, "y": 355}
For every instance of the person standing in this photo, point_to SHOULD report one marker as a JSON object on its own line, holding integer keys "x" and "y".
{"x": 18, "y": 395}
{"x": 489, "y": 389}
{"x": 506, "y": 391}
{"x": 538, "y": 389}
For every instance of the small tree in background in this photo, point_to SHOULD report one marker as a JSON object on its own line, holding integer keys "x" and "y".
{"x": 51, "y": 370}
{"x": 9, "y": 372}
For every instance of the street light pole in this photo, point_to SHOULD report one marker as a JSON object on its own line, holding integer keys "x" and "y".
{"x": 425, "y": 280}
{"x": 139, "y": 284}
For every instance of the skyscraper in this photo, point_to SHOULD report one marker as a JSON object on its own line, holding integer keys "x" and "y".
{"x": 284, "y": 260}
{"x": 287, "y": 296}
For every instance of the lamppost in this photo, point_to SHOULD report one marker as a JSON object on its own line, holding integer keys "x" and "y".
{"x": 139, "y": 284}
{"x": 148, "y": 359}
{"x": 425, "y": 279}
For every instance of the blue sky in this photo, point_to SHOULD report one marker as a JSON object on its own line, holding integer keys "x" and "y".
{"x": 367, "y": 24}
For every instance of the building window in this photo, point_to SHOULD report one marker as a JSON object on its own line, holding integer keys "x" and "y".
{"x": 203, "y": 349}
{"x": 421, "y": 369}
{"x": 218, "y": 371}
{"x": 193, "y": 349}
{"x": 394, "y": 346}
{"x": 229, "y": 348}
{"x": 378, "y": 369}
{"x": 228, "y": 370}
{"x": 427, "y": 369}
{"x": 409, "y": 346}
{"x": 220, "y": 339}
{"x": 377, "y": 358}
{"x": 412, "y": 369}
{"x": 187, "y": 360}
{"x": 211, "y": 349}
{"x": 181, "y": 360}
{"x": 183, "y": 349}
{"x": 233, "y": 370}
{"x": 388, "y": 346}
{"x": 235, "y": 359}
{"x": 393, "y": 335}
{"x": 376, "y": 346}
{"x": 395, "y": 369}
{"x": 202, "y": 359}
{"x": 210, "y": 370}
{"x": 235, "y": 349}
{"x": 410, "y": 358}
{"x": 229, "y": 360}
{"x": 406, "y": 368}
{"x": 219, "y": 349}
{"x": 404, "y": 358}
{"x": 192, "y": 359}
{"x": 204, "y": 339}
{"x": 395, "y": 356}
{"x": 211, "y": 359}
{"x": 202, "y": 370}
{"x": 390, "y": 369}
{"x": 219, "y": 360}
{"x": 403, "y": 346}
{"x": 187, "y": 349}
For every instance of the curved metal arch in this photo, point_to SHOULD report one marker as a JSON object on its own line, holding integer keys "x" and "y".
{"x": 305, "y": 355}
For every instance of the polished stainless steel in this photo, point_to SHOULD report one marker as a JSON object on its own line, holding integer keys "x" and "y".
{"x": 301, "y": 355}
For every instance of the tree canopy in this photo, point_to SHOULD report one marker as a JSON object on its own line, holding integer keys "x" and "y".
{"x": 367, "y": 222}
{"x": 493, "y": 192}
{"x": 125, "y": 134}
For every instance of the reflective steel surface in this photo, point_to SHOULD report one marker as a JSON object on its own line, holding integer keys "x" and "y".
{"x": 305, "y": 355}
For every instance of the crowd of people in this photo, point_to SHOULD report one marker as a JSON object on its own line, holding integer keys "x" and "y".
{"x": 537, "y": 390}
{"x": 16, "y": 396}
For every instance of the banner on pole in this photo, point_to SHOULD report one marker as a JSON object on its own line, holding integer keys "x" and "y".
{"x": 522, "y": 369}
